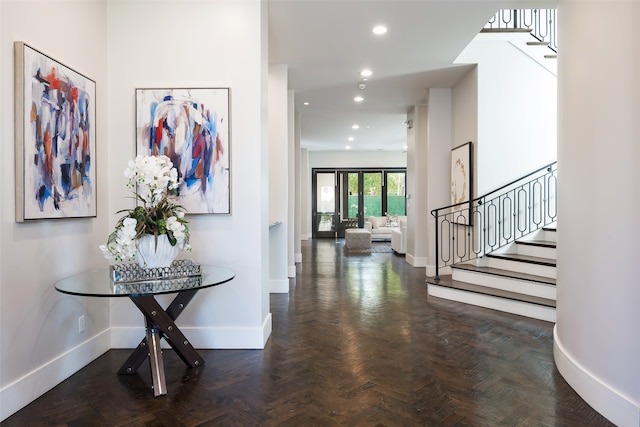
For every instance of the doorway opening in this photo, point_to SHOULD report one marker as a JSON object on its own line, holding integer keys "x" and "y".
{"x": 343, "y": 198}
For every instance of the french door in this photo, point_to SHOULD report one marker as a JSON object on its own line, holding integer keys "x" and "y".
{"x": 344, "y": 198}
{"x": 325, "y": 204}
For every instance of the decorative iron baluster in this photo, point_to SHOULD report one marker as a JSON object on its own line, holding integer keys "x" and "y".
{"x": 541, "y": 22}
{"x": 470, "y": 230}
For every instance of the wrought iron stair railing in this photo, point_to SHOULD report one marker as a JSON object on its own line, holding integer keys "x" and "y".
{"x": 470, "y": 230}
{"x": 542, "y": 24}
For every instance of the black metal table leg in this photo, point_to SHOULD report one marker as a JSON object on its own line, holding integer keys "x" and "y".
{"x": 160, "y": 324}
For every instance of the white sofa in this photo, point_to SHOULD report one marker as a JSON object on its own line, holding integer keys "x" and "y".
{"x": 399, "y": 239}
{"x": 381, "y": 227}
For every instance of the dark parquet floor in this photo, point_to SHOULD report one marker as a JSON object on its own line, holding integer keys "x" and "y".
{"x": 357, "y": 342}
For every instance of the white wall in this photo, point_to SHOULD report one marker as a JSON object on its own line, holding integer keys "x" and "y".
{"x": 516, "y": 113}
{"x": 40, "y": 344}
{"x": 122, "y": 47}
{"x": 465, "y": 115}
{"x": 356, "y": 159}
{"x": 437, "y": 165}
{"x": 429, "y": 154}
{"x": 143, "y": 53}
{"x": 596, "y": 336}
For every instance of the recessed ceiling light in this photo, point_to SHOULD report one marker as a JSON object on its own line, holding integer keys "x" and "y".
{"x": 305, "y": 103}
{"x": 347, "y": 147}
{"x": 351, "y": 138}
{"x": 358, "y": 99}
{"x": 366, "y": 73}
{"x": 379, "y": 29}
{"x": 355, "y": 127}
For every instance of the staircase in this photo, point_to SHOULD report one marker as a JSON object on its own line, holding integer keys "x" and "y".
{"x": 499, "y": 250}
{"x": 518, "y": 278}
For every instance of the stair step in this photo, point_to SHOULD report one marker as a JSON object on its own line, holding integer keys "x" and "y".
{"x": 509, "y": 302}
{"x": 447, "y": 281}
{"x": 538, "y": 43}
{"x": 524, "y": 258}
{"x": 506, "y": 273}
{"x": 505, "y": 30}
{"x": 534, "y": 248}
{"x": 505, "y": 280}
{"x": 551, "y": 228}
{"x": 523, "y": 263}
{"x": 538, "y": 243}
{"x": 551, "y": 56}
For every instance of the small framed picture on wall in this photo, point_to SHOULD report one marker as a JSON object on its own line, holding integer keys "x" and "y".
{"x": 462, "y": 183}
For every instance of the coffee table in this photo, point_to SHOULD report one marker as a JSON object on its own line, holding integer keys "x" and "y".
{"x": 159, "y": 323}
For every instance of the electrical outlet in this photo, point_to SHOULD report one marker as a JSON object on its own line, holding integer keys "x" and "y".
{"x": 81, "y": 324}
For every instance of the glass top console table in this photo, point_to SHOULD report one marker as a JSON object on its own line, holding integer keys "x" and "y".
{"x": 159, "y": 323}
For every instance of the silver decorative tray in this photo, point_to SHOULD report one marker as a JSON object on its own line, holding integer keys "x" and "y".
{"x": 179, "y": 269}
{"x": 155, "y": 286}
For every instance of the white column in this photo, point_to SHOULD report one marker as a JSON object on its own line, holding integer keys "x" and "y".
{"x": 298, "y": 216}
{"x": 291, "y": 181}
{"x": 278, "y": 178}
{"x": 597, "y": 338}
{"x": 417, "y": 187}
{"x": 305, "y": 195}
{"x": 438, "y": 164}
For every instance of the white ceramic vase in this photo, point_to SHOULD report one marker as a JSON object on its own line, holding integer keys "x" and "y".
{"x": 149, "y": 255}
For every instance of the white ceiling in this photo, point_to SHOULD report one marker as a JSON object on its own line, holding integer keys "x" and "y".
{"x": 326, "y": 43}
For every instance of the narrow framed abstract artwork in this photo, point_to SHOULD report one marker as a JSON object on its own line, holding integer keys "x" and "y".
{"x": 191, "y": 127}
{"x": 461, "y": 183}
{"x": 55, "y": 126}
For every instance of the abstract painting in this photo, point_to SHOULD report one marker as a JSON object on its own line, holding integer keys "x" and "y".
{"x": 191, "y": 127}
{"x": 461, "y": 181}
{"x": 55, "y": 121}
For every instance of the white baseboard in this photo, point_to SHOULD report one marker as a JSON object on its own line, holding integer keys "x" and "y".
{"x": 431, "y": 270}
{"x": 618, "y": 409}
{"x": 416, "y": 261}
{"x": 279, "y": 286}
{"x": 231, "y": 337}
{"x": 25, "y": 390}
{"x": 298, "y": 257}
{"x": 291, "y": 273}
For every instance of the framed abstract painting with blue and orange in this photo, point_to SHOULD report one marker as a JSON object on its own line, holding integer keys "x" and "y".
{"x": 190, "y": 126}
{"x": 55, "y": 122}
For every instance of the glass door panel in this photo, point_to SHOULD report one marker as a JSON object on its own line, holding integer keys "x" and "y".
{"x": 353, "y": 205}
{"x": 325, "y": 212}
{"x": 396, "y": 203}
{"x": 349, "y": 201}
{"x": 372, "y": 190}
